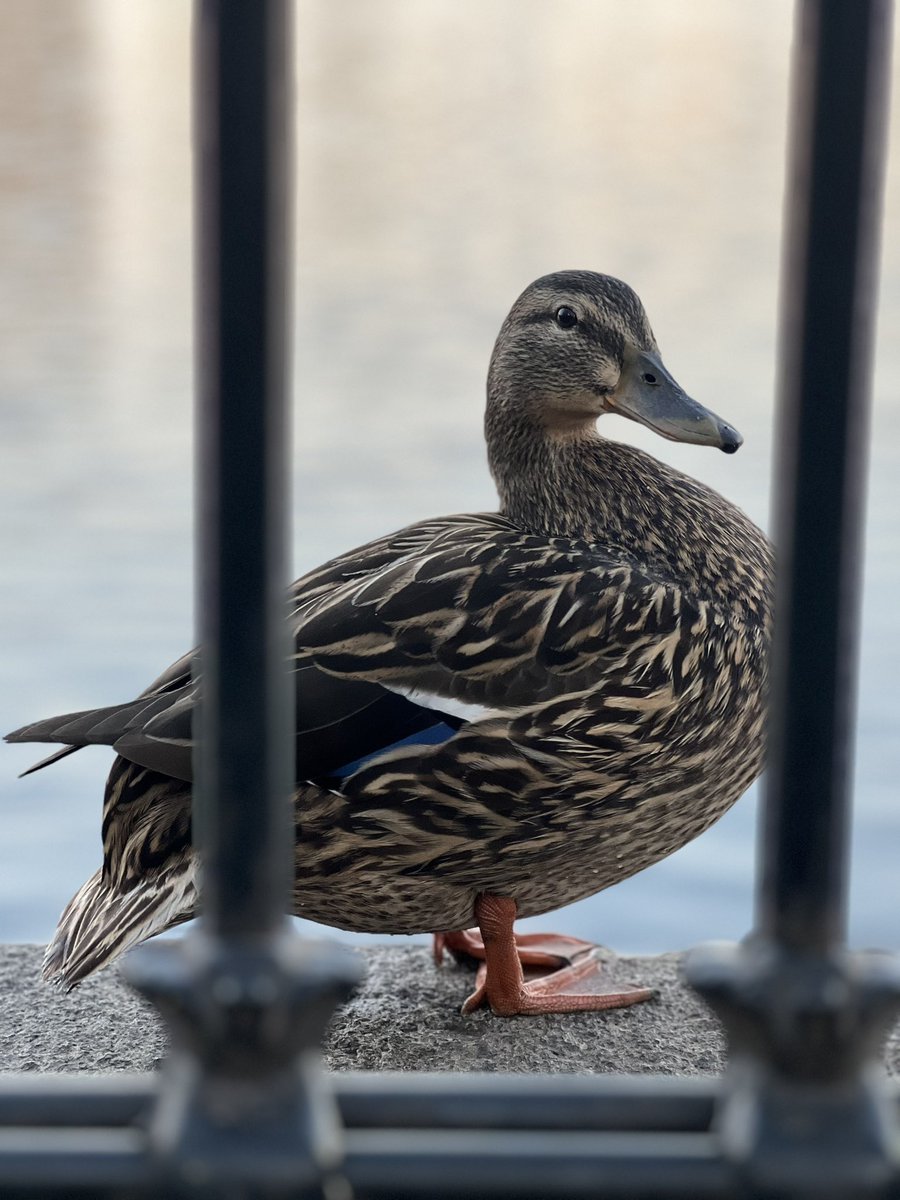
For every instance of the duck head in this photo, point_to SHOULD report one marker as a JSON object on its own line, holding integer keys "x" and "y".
{"x": 576, "y": 345}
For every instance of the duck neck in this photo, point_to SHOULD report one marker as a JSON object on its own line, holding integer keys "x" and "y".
{"x": 557, "y": 481}
{"x": 577, "y": 484}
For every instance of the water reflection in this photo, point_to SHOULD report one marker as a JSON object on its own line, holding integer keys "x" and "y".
{"x": 448, "y": 154}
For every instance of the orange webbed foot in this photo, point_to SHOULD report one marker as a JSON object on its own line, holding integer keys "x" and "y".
{"x": 548, "y": 950}
{"x": 573, "y": 979}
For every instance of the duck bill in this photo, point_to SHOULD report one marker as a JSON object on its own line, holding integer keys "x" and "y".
{"x": 647, "y": 393}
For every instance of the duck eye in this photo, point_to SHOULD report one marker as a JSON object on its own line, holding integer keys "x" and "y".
{"x": 566, "y": 318}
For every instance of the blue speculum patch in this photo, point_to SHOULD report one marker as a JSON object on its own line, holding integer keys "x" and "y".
{"x": 432, "y": 736}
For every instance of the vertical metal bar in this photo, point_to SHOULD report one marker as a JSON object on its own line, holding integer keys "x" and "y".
{"x": 244, "y": 756}
{"x": 244, "y": 1105}
{"x": 832, "y": 237}
{"x": 804, "y": 1110}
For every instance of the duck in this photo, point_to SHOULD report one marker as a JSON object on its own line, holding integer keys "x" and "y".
{"x": 498, "y": 713}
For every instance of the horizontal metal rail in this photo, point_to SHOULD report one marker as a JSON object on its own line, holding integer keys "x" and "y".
{"x": 395, "y": 1100}
{"x": 411, "y": 1136}
{"x": 415, "y": 1136}
{"x": 394, "y": 1166}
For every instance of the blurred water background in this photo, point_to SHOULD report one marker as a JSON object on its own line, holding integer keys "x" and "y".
{"x": 449, "y": 151}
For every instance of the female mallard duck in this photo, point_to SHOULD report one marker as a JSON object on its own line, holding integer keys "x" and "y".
{"x": 498, "y": 713}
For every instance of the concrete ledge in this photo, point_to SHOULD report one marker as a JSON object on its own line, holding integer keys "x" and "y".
{"x": 404, "y": 1017}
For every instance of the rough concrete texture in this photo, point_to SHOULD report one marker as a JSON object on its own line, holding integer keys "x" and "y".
{"x": 405, "y": 1016}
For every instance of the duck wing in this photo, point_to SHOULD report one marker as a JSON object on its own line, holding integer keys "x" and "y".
{"x": 408, "y": 637}
{"x": 339, "y": 721}
{"x": 488, "y": 619}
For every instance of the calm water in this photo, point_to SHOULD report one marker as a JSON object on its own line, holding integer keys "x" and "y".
{"x": 449, "y": 153}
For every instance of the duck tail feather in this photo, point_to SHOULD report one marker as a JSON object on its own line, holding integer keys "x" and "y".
{"x": 101, "y": 921}
{"x": 50, "y": 729}
{"x": 51, "y": 758}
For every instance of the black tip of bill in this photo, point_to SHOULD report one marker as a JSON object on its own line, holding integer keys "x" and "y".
{"x": 730, "y": 440}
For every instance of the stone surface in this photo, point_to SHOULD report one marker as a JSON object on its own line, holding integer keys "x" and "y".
{"x": 404, "y": 1017}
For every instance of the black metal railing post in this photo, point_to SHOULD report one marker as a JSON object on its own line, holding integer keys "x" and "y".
{"x": 804, "y": 1017}
{"x": 244, "y": 752}
{"x": 832, "y": 239}
{"x": 246, "y": 1000}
